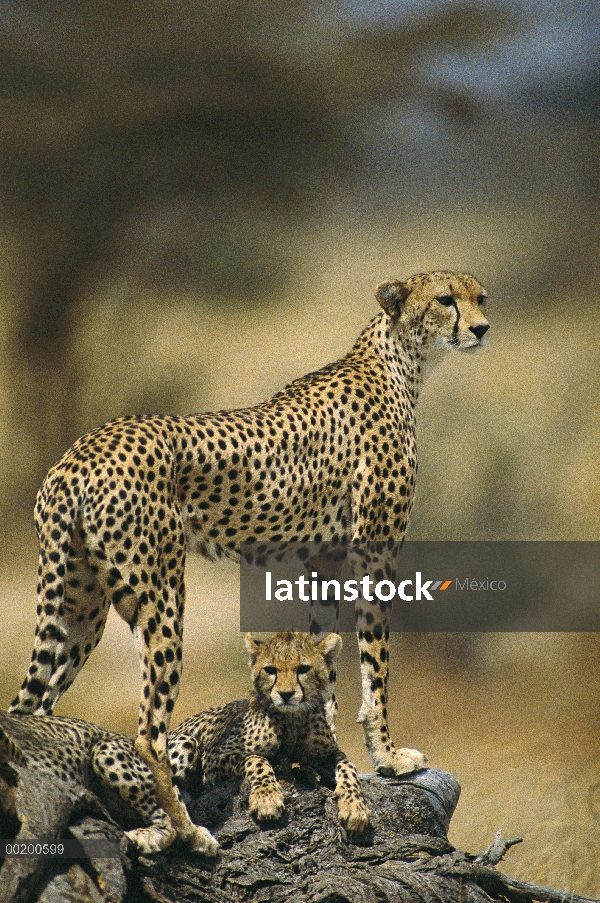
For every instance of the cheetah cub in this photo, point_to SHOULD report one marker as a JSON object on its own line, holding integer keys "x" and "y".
{"x": 284, "y": 719}
{"x": 68, "y": 752}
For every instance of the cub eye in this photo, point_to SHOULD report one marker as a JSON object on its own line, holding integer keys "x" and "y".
{"x": 270, "y": 669}
{"x": 481, "y": 299}
{"x": 446, "y": 300}
{"x": 303, "y": 669}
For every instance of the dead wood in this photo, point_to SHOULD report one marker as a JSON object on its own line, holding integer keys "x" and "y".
{"x": 306, "y": 857}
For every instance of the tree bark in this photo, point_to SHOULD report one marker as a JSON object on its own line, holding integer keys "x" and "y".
{"x": 306, "y": 857}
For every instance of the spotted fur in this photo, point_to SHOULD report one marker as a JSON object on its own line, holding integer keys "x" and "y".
{"x": 331, "y": 457}
{"x": 67, "y": 751}
{"x": 284, "y": 720}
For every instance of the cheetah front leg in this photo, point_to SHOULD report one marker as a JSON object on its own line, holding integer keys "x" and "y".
{"x": 325, "y": 617}
{"x": 372, "y": 626}
{"x": 266, "y": 799}
{"x": 334, "y": 768}
{"x": 353, "y": 812}
{"x": 386, "y": 758}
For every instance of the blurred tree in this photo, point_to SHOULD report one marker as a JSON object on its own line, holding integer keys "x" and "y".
{"x": 114, "y": 111}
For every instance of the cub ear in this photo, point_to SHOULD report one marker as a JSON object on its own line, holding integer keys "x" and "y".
{"x": 330, "y": 648}
{"x": 252, "y": 646}
{"x": 392, "y": 295}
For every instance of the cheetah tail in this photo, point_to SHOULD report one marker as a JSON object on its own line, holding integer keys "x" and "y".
{"x": 56, "y": 514}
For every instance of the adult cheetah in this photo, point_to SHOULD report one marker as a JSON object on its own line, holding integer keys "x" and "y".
{"x": 331, "y": 457}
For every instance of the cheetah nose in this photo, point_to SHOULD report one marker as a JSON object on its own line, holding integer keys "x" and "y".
{"x": 480, "y": 330}
{"x": 286, "y": 695}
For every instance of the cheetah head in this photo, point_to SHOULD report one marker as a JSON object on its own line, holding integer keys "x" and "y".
{"x": 441, "y": 308}
{"x": 290, "y": 672}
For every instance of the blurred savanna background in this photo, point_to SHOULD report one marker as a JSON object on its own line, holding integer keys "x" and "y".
{"x": 196, "y": 203}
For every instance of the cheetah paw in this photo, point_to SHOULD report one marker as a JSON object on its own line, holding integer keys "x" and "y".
{"x": 202, "y": 842}
{"x": 266, "y": 806}
{"x": 152, "y": 840}
{"x": 401, "y": 761}
{"x": 353, "y": 815}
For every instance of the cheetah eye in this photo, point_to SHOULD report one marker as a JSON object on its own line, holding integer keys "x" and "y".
{"x": 446, "y": 300}
{"x": 303, "y": 669}
{"x": 481, "y": 299}
{"x": 270, "y": 669}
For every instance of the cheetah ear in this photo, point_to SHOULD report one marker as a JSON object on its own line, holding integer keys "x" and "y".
{"x": 391, "y": 295}
{"x": 252, "y": 646}
{"x": 330, "y": 648}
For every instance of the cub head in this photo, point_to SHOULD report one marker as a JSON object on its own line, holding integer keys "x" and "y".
{"x": 442, "y": 308}
{"x": 290, "y": 672}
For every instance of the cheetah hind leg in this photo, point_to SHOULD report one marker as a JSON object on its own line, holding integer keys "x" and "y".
{"x": 127, "y": 782}
{"x": 169, "y": 798}
{"x": 160, "y": 659}
{"x": 160, "y": 654}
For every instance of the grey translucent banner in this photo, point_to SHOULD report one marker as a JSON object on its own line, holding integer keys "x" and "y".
{"x": 436, "y": 586}
{"x": 66, "y": 848}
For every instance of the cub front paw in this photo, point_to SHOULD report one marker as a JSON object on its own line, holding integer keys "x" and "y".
{"x": 266, "y": 805}
{"x": 401, "y": 761}
{"x": 353, "y": 815}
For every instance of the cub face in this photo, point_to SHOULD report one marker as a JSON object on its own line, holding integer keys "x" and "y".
{"x": 292, "y": 673}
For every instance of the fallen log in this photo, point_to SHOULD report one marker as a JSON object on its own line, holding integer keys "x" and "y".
{"x": 305, "y": 857}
